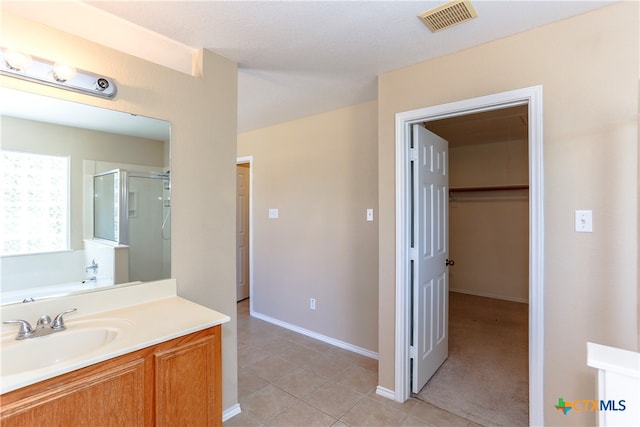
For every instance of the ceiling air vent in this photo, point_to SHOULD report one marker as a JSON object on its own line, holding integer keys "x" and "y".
{"x": 448, "y": 15}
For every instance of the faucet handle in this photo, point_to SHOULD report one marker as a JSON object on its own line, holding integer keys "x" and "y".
{"x": 25, "y": 328}
{"x": 58, "y": 322}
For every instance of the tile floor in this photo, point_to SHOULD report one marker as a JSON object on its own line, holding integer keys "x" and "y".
{"x": 289, "y": 379}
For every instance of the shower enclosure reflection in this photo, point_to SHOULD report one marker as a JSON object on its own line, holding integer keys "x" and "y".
{"x": 132, "y": 209}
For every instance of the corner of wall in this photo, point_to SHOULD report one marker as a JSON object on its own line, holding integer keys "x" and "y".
{"x": 197, "y": 63}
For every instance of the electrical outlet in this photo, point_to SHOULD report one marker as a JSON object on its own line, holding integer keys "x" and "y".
{"x": 312, "y": 303}
{"x": 369, "y": 214}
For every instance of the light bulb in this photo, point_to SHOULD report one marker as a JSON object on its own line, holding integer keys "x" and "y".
{"x": 63, "y": 72}
{"x": 16, "y": 60}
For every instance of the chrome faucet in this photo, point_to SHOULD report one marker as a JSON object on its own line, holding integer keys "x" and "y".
{"x": 92, "y": 267}
{"x": 44, "y": 326}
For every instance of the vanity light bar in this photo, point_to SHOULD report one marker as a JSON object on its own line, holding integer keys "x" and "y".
{"x": 38, "y": 70}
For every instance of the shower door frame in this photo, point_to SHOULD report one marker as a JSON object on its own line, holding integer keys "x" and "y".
{"x": 124, "y": 198}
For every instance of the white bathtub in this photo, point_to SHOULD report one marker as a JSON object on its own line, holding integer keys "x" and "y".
{"x": 19, "y": 295}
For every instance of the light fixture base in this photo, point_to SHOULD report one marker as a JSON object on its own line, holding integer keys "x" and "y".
{"x": 42, "y": 71}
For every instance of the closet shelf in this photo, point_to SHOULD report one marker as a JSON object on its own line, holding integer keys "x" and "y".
{"x": 489, "y": 188}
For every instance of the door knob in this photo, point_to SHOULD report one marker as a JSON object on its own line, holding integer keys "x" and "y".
{"x": 449, "y": 262}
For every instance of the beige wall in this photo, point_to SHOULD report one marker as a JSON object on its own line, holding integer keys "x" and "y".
{"x": 321, "y": 173}
{"x": 489, "y": 164}
{"x": 588, "y": 66}
{"x": 203, "y": 115}
{"x": 489, "y": 230}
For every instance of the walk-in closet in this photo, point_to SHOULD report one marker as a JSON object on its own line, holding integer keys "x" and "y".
{"x": 485, "y": 377}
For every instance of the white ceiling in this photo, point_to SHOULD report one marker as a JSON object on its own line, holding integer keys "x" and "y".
{"x": 298, "y": 58}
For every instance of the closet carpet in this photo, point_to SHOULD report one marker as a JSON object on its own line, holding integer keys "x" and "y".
{"x": 485, "y": 378}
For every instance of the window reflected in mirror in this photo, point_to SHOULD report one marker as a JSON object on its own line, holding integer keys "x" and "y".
{"x": 35, "y": 203}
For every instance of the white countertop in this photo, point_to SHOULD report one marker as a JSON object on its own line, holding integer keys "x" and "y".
{"x": 140, "y": 326}
{"x": 624, "y": 362}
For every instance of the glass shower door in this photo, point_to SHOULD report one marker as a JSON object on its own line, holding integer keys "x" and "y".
{"x": 149, "y": 226}
{"x": 106, "y": 205}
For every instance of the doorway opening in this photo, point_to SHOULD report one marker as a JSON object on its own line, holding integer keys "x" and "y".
{"x": 244, "y": 256}
{"x": 532, "y": 99}
{"x": 488, "y": 228}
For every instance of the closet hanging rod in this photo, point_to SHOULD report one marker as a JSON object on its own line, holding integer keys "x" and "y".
{"x": 489, "y": 188}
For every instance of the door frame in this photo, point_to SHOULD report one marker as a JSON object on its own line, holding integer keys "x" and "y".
{"x": 531, "y": 96}
{"x": 249, "y": 160}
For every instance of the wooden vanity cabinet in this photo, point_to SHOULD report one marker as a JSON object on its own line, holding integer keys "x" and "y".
{"x": 174, "y": 383}
{"x": 188, "y": 383}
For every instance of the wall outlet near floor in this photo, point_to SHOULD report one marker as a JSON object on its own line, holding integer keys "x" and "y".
{"x": 312, "y": 303}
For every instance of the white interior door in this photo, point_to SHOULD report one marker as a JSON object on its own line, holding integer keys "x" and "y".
{"x": 430, "y": 248}
{"x": 242, "y": 230}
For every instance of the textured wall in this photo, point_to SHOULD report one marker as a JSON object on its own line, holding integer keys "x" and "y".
{"x": 588, "y": 67}
{"x": 321, "y": 173}
{"x": 489, "y": 230}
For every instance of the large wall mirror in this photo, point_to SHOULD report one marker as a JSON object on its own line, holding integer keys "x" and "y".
{"x": 86, "y": 198}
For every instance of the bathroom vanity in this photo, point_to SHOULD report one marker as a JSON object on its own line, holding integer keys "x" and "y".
{"x": 156, "y": 363}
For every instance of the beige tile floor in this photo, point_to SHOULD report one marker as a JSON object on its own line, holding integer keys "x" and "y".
{"x": 289, "y": 379}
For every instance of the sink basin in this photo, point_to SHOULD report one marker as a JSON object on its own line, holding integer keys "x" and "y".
{"x": 80, "y": 340}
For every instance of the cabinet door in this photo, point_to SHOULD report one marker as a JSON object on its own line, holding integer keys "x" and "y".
{"x": 111, "y": 397}
{"x": 187, "y": 376}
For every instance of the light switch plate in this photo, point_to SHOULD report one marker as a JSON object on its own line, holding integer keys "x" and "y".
{"x": 369, "y": 214}
{"x": 584, "y": 221}
{"x": 273, "y": 213}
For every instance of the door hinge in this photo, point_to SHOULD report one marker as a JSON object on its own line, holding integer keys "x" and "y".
{"x": 412, "y": 352}
{"x": 413, "y": 254}
{"x": 413, "y": 154}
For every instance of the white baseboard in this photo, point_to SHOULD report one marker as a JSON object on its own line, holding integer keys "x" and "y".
{"x": 385, "y": 392}
{"x": 231, "y": 412}
{"x": 488, "y": 295}
{"x": 315, "y": 335}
